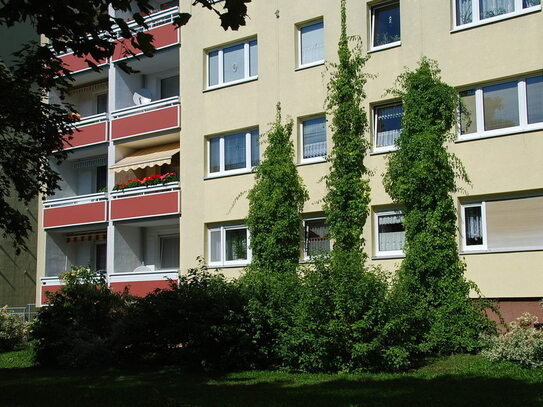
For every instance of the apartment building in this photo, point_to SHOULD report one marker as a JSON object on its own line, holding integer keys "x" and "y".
{"x": 135, "y": 126}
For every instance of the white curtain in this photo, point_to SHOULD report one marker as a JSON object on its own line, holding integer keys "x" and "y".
{"x": 473, "y": 226}
{"x": 464, "y": 12}
{"x": 391, "y": 233}
{"x": 491, "y": 8}
{"x": 389, "y": 125}
{"x": 234, "y": 151}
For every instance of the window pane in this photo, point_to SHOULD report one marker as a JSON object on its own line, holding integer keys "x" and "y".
{"x": 236, "y": 244}
{"x": 501, "y": 106}
{"x": 389, "y": 125}
{"x": 387, "y": 24}
{"x": 169, "y": 87}
{"x": 169, "y": 252}
{"x": 255, "y": 148}
{"x": 530, "y": 3}
{"x": 234, "y": 152}
{"x": 391, "y": 232}
{"x": 464, "y": 12}
{"x": 253, "y": 58}
{"x": 101, "y": 257}
{"x": 312, "y": 41}
{"x": 534, "y": 89}
{"x": 314, "y": 137}
{"x": 474, "y": 226}
{"x": 215, "y": 246}
{"x": 468, "y": 115}
{"x": 213, "y": 68}
{"x": 101, "y": 177}
{"x": 491, "y": 8}
{"x": 233, "y": 63}
{"x": 214, "y": 154}
{"x": 101, "y": 103}
{"x": 316, "y": 238}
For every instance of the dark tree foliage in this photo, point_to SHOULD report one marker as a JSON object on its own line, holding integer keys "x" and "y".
{"x": 346, "y": 203}
{"x": 276, "y": 202}
{"x": 30, "y": 129}
{"x": 435, "y": 311}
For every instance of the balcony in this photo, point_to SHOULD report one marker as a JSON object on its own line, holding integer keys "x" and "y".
{"x": 143, "y": 202}
{"x": 90, "y": 130}
{"x": 79, "y": 64}
{"x": 147, "y": 118}
{"x": 161, "y": 27}
{"x": 79, "y": 210}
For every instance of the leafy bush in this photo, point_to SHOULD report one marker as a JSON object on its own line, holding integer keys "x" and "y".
{"x": 74, "y": 330}
{"x": 200, "y": 321}
{"x": 522, "y": 343}
{"x": 13, "y": 330}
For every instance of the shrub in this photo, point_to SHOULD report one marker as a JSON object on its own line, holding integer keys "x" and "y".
{"x": 74, "y": 330}
{"x": 522, "y": 343}
{"x": 198, "y": 321}
{"x": 13, "y": 330}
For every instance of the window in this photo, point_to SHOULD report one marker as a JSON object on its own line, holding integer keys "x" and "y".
{"x": 229, "y": 245}
{"x": 473, "y": 12}
{"x": 316, "y": 240}
{"x": 169, "y": 252}
{"x": 169, "y": 87}
{"x": 100, "y": 257}
{"x": 232, "y": 64}
{"x": 502, "y": 108}
{"x": 311, "y": 44}
{"x": 233, "y": 153}
{"x": 507, "y": 224}
{"x": 101, "y": 178}
{"x": 385, "y": 25}
{"x": 387, "y": 125}
{"x": 101, "y": 103}
{"x": 390, "y": 233}
{"x": 313, "y": 141}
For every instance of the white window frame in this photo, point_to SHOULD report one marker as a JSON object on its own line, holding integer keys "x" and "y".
{"x": 248, "y": 153}
{"x": 385, "y": 253}
{"x": 476, "y": 21}
{"x": 372, "y": 26}
{"x": 479, "y": 111}
{"x": 311, "y": 160}
{"x": 246, "y": 64}
{"x": 308, "y": 258}
{"x": 299, "y": 27}
{"x": 384, "y": 149}
{"x": 223, "y": 262}
{"x": 478, "y": 247}
{"x": 161, "y": 236}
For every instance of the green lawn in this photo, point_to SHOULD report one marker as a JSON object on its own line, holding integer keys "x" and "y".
{"x": 463, "y": 380}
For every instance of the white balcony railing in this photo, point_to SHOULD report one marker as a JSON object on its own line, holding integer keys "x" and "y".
{"x": 95, "y": 118}
{"x": 75, "y": 200}
{"x": 129, "y": 111}
{"x": 141, "y": 191}
{"x": 154, "y": 20}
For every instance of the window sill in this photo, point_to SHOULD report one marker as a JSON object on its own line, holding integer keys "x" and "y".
{"x": 499, "y": 133}
{"x": 225, "y": 175}
{"x": 388, "y": 256}
{"x": 385, "y": 46}
{"x": 226, "y": 266}
{"x": 384, "y": 150}
{"x": 491, "y": 20}
{"x": 307, "y": 66}
{"x": 317, "y": 160}
{"x": 509, "y": 250}
{"x": 229, "y": 84}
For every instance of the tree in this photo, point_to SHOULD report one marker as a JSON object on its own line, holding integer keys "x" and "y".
{"x": 31, "y": 130}
{"x": 276, "y": 202}
{"x": 432, "y": 293}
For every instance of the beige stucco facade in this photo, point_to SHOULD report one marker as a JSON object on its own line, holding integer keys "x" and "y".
{"x": 510, "y": 164}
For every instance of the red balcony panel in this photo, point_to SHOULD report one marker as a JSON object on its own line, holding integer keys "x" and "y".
{"x": 147, "y": 205}
{"x": 89, "y": 134}
{"x": 75, "y": 214}
{"x": 163, "y": 36}
{"x": 146, "y": 122}
{"x": 75, "y": 63}
{"x": 140, "y": 288}
{"x": 48, "y": 289}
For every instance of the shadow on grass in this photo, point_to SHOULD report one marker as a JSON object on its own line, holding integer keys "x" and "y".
{"x": 176, "y": 388}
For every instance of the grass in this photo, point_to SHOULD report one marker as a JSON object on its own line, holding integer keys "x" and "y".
{"x": 461, "y": 380}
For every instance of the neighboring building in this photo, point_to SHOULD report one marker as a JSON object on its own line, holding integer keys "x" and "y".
{"x": 18, "y": 272}
{"x": 230, "y": 83}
